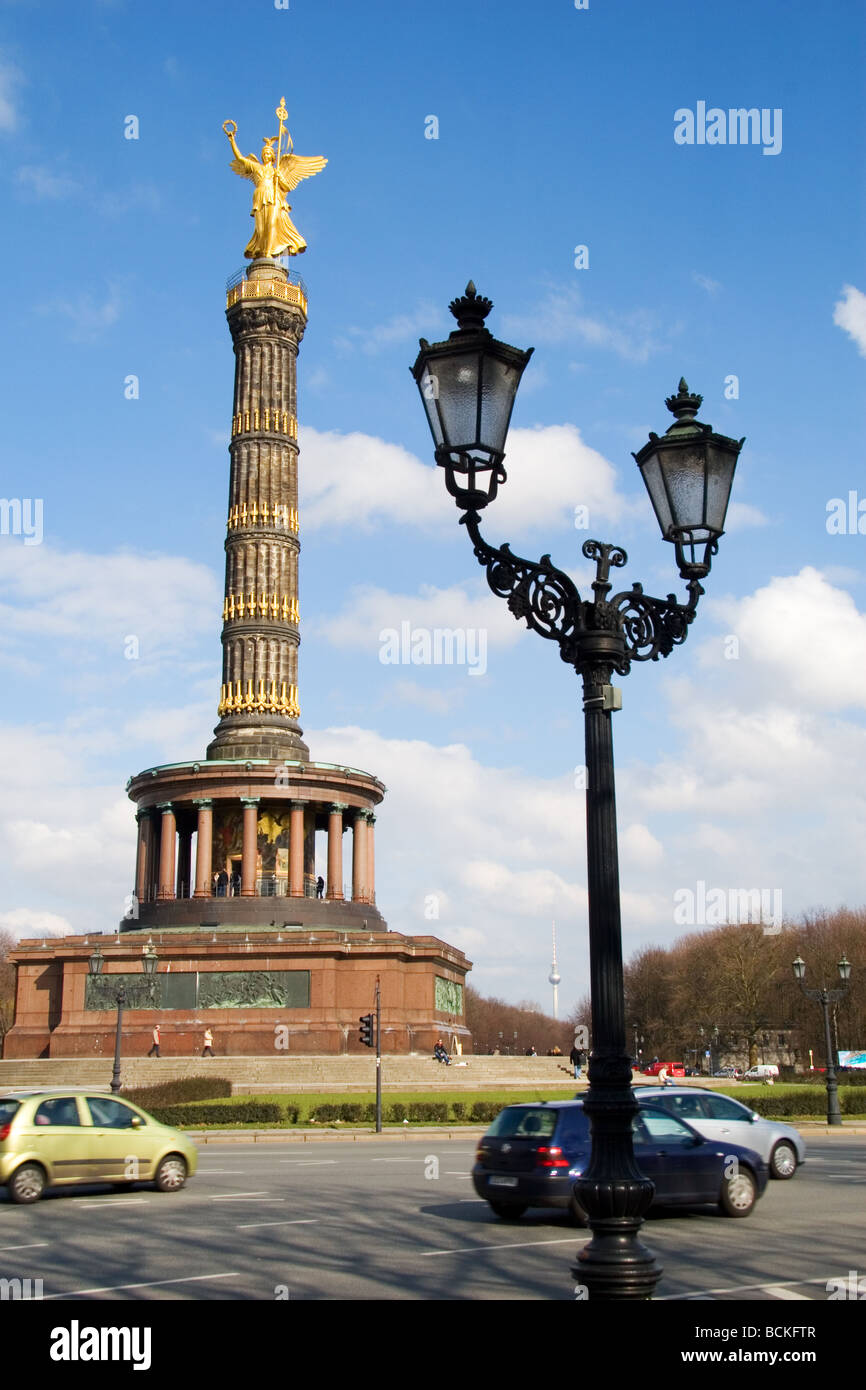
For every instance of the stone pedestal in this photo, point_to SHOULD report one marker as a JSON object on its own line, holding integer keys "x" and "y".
{"x": 225, "y": 980}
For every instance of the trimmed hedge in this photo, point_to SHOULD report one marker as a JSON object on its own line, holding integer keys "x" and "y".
{"x": 807, "y": 1102}
{"x": 251, "y": 1112}
{"x": 855, "y": 1077}
{"x": 419, "y": 1113}
{"x": 485, "y": 1111}
{"x": 180, "y": 1092}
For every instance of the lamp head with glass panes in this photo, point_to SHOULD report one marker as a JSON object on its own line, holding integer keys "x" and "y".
{"x": 468, "y": 384}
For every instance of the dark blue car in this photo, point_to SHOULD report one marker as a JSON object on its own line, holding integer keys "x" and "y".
{"x": 532, "y": 1154}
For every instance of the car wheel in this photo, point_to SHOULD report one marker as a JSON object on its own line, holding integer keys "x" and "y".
{"x": 578, "y": 1214}
{"x": 27, "y": 1184}
{"x": 783, "y": 1160}
{"x": 739, "y": 1194}
{"x": 171, "y": 1173}
{"x": 508, "y": 1211}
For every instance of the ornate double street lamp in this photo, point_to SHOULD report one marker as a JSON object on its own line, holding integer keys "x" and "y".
{"x": 825, "y": 997}
{"x": 468, "y": 385}
{"x": 96, "y": 962}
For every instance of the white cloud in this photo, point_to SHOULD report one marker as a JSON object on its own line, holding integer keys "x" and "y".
{"x": 742, "y": 514}
{"x": 98, "y": 601}
{"x": 88, "y": 315}
{"x": 561, "y": 318}
{"x": 26, "y": 921}
{"x": 640, "y": 847}
{"x": 849, "y": 313}
{"x": 799, "y": 638}
{"x": 372, "y": 611}
{"x": 439, "y": 702}
{"x": 11, "y": 78}
{"x": 43, "y": 184}
{"x": 523, "y": 892}
{"x": 712, "y": 287}
{"x": 424, "y": 321}
{"x": 360, "y": 481}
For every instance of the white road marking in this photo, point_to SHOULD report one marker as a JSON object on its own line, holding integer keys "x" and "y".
{"x": 154, "y": 1284}
{"x": 230, "y": 1196}
{"x": 788, "y": 1293}
{"x": 518, "y": 1245}
{"x": 304, "y": 1221}
{"x": 451, "y": 1173}
{"x": 37, "y": 1245}
{"x": 225, "y": 1172}
{"x": 308, "y": 1162}
{"x": 398, "y": 1160}
{"x": 100, "y": 1202}
{"x": 465, "y": 1200}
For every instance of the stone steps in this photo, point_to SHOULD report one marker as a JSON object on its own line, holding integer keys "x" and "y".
{"x": 257, "y": 1075}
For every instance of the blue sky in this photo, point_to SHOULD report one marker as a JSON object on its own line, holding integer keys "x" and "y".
{"x": 555, "y": 129}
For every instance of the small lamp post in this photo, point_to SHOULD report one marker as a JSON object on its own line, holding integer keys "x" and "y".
{"x": 468, "y": 386}
{"x": 96, "y": 962}
{"x": 825, "y": 997}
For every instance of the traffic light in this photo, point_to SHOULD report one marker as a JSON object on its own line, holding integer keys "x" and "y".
{"x": 367, "y": 1030}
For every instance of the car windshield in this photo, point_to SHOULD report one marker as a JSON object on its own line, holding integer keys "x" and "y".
{"x": 524, "y": 1122}
{"x": 8, "y": 1108}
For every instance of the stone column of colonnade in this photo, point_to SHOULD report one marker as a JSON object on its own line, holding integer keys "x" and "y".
{"x": 371, "y": 858}
{"x": 166, "y": 858}
{"x": 359, "y": 857}
{"x": 296, "y": 849}
{"x": 334, "y": 888}
{"x": 184, "y": 862}
{"x": 204, "y": 850}
{"x": 144, "y": 857}
{"x": 168, "y": 830}
{"x": 249, "y": 846}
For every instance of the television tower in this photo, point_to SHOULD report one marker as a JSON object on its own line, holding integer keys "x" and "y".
{"x": 554, "y": 977}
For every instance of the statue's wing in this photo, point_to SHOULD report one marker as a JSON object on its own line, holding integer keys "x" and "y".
{"x": 244, "y": 166}
{"x": 294, "y": 167}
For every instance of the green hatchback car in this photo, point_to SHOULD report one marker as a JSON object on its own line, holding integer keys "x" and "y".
{"x": 59, "y": 1138}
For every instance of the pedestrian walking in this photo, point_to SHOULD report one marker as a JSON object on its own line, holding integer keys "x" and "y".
{"x": 222, "y": 883}
{"x": 154, "y": 1051}
{"x": 578, "y": 1061}
{"x": 207, "y": 1050}
{"x": 236, "y": 884}
{"x": 320, "y": 887}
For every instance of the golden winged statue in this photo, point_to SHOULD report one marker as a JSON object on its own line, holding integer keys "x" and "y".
{"x": 274, "y": 175}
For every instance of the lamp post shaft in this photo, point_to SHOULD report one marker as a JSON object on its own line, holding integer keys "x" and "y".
{"x": 613, "y": 1191}
{"x": 834, "y": 1112}
{"x": 118, "y": 1036}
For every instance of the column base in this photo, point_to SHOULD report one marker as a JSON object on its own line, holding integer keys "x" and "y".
{"x": 258, "y": 736}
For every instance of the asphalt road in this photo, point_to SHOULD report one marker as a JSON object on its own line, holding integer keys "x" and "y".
{"x": 385, "y": 1220}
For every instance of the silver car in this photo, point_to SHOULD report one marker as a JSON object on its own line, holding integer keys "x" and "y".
{"x": 721, "y": 1119}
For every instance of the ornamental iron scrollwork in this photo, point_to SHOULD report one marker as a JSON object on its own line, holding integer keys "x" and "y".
{"x": 550, "y": 604}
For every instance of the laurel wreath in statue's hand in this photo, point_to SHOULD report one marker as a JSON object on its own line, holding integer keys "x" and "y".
{"x": 233, "y": 130}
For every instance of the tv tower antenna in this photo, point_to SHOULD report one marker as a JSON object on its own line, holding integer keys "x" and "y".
{"x": 554, "y": 977}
